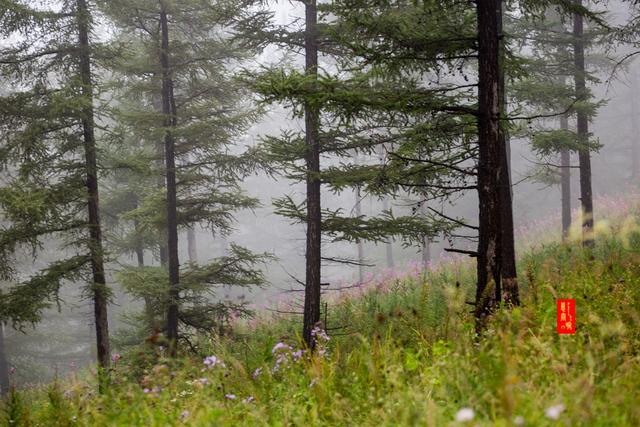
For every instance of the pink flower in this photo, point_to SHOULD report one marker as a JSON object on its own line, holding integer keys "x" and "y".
{"x": 230, "y": 396}
{"x": 115, "y": 357}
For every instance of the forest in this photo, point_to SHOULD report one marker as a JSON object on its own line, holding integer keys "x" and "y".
{"x": 319, "y": 213}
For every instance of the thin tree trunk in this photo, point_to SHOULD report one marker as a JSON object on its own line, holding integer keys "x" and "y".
{"x": 192, "y": 245}
{"x": 584, "y": 155}
{"x": 359, "y": 242}
{"x": 490, "y": 161}
{"x": 389, "y": 243}
{"x": 635, "y": 163}
{"x": 4, "y": 365}
{"x": 425, "y": 250}
{"x": 160, "y": 183}
{"x": 100, "y": 291}
{"x": 509, "y": 287}
{"x": 565, "y": 182}
{"x": 148, "y": 308}
{"x": 312, "y": 124}
{"x": 169, "y": 111}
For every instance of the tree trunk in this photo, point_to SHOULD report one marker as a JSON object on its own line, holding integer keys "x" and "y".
{"x": 490, "y": 160}
{"x": 169, "y": 111}
{"x": 389, "y": 243}
{"x": 635, "y": 163}
{"x": 359, "y": 242}
{"x": 565, "y": 182}
{"x": 314, "y": 219}
{"x": 584, "y": 155}
{"x": 510, "y": 293}
{"x": 425, "y": 250}
{"x": 100, "y": 291}
{"x": 4, "y": 365}
{"x": 192, "y": 246}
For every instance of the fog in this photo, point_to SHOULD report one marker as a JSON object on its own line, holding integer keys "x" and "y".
{"x": 64, "y": 341}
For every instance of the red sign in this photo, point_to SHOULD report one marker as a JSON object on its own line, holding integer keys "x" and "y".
{"x": 566, "y": 322}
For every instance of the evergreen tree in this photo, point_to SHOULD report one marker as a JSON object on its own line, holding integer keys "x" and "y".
{"x": 49, "y": 150}
{"x": 203, "y": 114}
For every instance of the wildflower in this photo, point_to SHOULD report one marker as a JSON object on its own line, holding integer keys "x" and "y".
{"x": 519, "y": 420}
{"x": 297, "y": 355}
{"x": 248, "y": 399}
{"x": 553, "y": 412}
{"x": 256, "y": 373}
{"x": 115, "y": 357}
{"x": 319, "y": 334}
{"x": 465, "y": 414}
{"x": 280, "y": 346}
{"x": 184, "y": 414}
{"x": 230, "y": 396}
{"x": 146, "y": 390}
{"x": 212, "y": 362}
{"x": 203, "y": 381}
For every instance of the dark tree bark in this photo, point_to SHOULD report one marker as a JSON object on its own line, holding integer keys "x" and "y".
{"x": 584, "y": 155}
{"x": 509, "y": 287}
{"x": 490, "y": 161}
{"x": 565, "y": 182}
{"x": 169, "y": 111}
{"x": 4, "y": 365}
{"x": 312, "y": 124}
{"x": 100, "y": 291}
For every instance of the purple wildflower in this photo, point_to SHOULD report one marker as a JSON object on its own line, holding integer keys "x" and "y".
{"x": 230, "y": 396}
{"x": 256, "y": 373}
{"x": 212, "y": 362}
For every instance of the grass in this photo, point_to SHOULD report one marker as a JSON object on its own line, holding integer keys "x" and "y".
{"x": 403, "y": 353}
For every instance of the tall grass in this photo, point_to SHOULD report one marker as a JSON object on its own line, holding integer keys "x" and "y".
{"x": 402, "y": 351}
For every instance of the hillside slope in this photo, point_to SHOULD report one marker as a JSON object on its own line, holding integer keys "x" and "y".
{"x": 401, "y": 352}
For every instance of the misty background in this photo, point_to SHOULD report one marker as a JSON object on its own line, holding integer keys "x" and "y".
{"x": 64, "y": 341}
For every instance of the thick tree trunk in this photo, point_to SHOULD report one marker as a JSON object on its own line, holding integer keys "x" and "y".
{"x": 565, "y": 182}
{"x": 4, "y": 365}
{"x": 584, "y": 155}
{"x": 510, "y": 293}
{"x": 100, "y": 291}
{"x": 192, "y": 245}
{"x": 314, "y": 219}
{"x": 169, "y": 111}
{"x": 490, "y": 160}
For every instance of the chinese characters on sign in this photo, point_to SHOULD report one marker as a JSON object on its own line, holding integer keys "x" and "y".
{"x": 566, "y": 323}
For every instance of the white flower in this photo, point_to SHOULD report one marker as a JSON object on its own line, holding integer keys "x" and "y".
{"x": 230, "y": 396}
{"x": 464, "y": 415}
{"x": 519, "y": 420}
{"x": 553, "y": 412}
{"x": 248, "y": 399}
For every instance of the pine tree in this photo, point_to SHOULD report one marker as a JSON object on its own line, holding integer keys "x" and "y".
{"x": 203, "y": 114}
{"x": 49, "y": 151}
